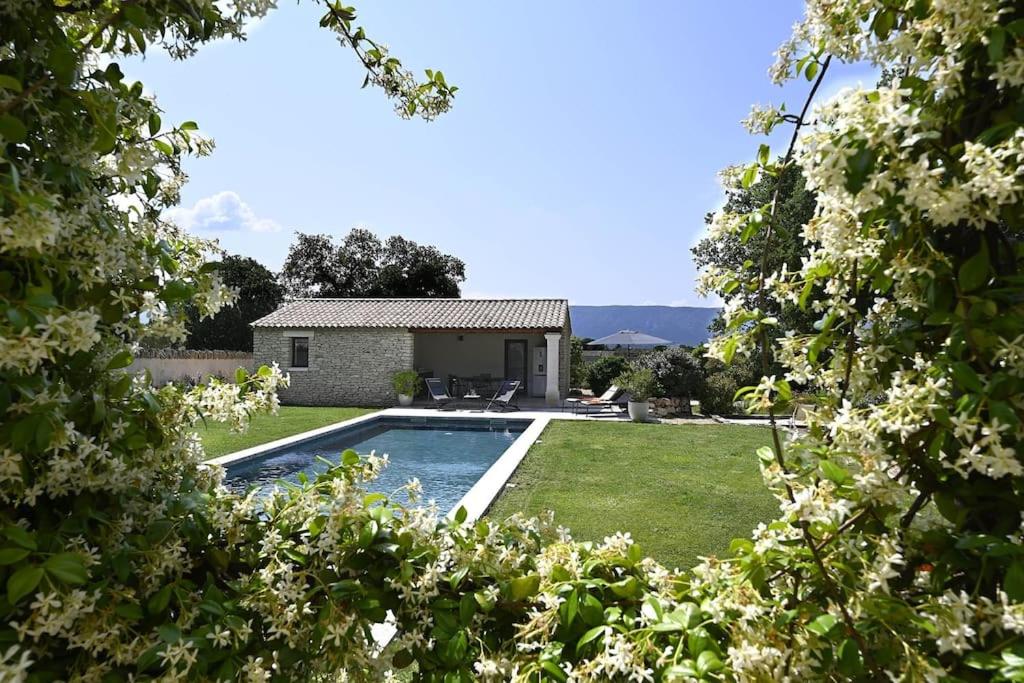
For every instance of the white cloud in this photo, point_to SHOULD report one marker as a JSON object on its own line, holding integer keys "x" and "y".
{"x": 223, "y": 212}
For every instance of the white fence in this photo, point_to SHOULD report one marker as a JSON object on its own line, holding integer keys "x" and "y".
{"x": 172, "y": 365}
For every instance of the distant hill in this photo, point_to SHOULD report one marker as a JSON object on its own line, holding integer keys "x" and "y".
{"x": 680, "y": 324}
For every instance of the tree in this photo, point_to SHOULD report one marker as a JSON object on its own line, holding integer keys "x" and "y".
{"x": 408, "y": 269}
{"x": 722, "y": 250}
{"x": 577, "y": 366}
{"x": 602, "y": 372}
{"x": 258, "y": 293}
{"x": 361, "y": 266}
{"x": 677, "y": 371}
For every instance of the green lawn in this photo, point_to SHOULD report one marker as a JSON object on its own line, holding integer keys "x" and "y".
{"x": 219, "y": 440}
{"x": 683, "y": 491}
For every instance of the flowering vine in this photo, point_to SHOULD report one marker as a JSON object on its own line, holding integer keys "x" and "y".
{"x": 897, "y": 552}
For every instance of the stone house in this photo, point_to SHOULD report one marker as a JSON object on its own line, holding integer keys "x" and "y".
{"x": 345, "y": 351}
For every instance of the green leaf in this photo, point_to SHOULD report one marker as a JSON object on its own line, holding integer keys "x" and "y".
{"x": 12, "y": 555}
{"x": 966, "y": 378}
{"x": 859, "y": 167}
{"x": 461, "y": 514}
{"x": 402, "y": 659}
{"x": 822, "y": 625}
{"x": 467, "y": 608}
{"x": 23, "y": 582}
{"x": 591, "y": 610}
{"x": 974, "y": 271}
{"x": 749, "y": 176}
{"x": 883, "y": 23}
{"x": 553, "y": 669}
{"x": 1013, "y": 584}
{"x": 176, "y": 290}
{"x": 67, "y": 568}
{"x": 169, "y": 633}
{"x": 523, "y": 587}
{"x": 10, "y": 83}
{"x": 698, "y": 640}
{"x": 349, "y": 457}
{"x": 159, "y": 601}
{"x": 851, "y": 663}
{"x": 120, "y": 360}
{"x": 834, "y": 472}
{"x": 129, "y": 610}
{"x": 996, "y": 43}
{"x": 983, "y": 661}
{"x": 20, "y": 537}
{"x": 708, "y": 661}
{"x": 590, "y": 636}
{"x": 12, "y": 129}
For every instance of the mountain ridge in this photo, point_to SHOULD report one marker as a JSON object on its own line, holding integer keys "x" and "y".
{"x": 679, "y": 324}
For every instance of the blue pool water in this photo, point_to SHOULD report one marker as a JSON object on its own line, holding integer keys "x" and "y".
{"x": 447, "y": 455}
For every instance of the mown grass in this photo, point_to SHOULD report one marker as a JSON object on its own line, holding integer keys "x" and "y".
{"x": 682, "y": 491}
{"x": 219, "y": 440}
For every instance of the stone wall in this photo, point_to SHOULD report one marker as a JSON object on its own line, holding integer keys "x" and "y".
{"x": 670, "y": 407}
{"x": 347, "y": 367}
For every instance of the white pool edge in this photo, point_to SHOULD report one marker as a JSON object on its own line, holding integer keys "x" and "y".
{"x": 491, "y": 483}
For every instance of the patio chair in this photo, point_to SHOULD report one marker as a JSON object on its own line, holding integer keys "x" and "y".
{"x": 504, "y": 395}
{"x": 437, "y": 392}
{"x": 614, "y": 396}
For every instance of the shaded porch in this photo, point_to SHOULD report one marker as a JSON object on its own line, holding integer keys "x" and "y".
{"x": 476, "y": 362}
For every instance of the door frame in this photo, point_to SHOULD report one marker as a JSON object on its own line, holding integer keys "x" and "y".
{"x": 526, "y": 363}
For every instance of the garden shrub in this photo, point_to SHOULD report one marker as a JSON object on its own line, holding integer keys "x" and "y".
{"x": 677, "y": 372}
{"x": 897, "y": 554}
{"x": 601, "y": 373}
{"x": 638, "y": 383}
{"x": 719, "y": 394}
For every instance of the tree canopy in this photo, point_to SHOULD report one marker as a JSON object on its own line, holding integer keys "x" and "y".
{"x": 363, "y": 266}
{"x": 719, "y": 248}
{"x": 257, "y": 293}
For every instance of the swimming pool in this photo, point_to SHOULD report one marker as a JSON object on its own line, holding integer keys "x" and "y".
{"x": 448, "y": 455}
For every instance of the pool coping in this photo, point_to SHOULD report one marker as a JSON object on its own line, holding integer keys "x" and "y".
{"x": 477, "y": 500}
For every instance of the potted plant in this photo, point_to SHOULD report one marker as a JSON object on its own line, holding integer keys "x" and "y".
{"x": 640, "y": 385}
{"x": 405, "y": 383}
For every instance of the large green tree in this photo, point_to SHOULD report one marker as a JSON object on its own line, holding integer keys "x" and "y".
{"x": 721, "y": 249}
{"x": 258, "y": 293}
{"x": 363, "y": 266}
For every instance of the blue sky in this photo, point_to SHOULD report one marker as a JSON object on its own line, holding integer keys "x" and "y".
{"x": 579, "y": 159}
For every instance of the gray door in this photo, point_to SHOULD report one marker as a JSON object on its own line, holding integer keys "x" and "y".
{"x": 516, "y": 362}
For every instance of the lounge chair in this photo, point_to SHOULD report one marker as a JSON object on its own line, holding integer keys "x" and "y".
{"x": 437, "y": 392}
{"x": 504, "y": 395}
{"x": 614, "y": 396}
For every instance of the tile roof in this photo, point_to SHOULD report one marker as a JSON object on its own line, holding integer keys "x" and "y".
{"x": 439, "y": 314}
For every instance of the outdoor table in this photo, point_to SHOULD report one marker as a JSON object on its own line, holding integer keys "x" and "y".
{"x": 475, "y": 400}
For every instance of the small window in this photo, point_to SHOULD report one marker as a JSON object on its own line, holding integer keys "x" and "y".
{"x": 300, "y": 352}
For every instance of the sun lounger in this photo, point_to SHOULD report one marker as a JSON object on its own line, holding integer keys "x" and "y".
{"x": 504, "y": 396}
{"x": 614, "y": 396}
{"x": 437, "y": 392}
